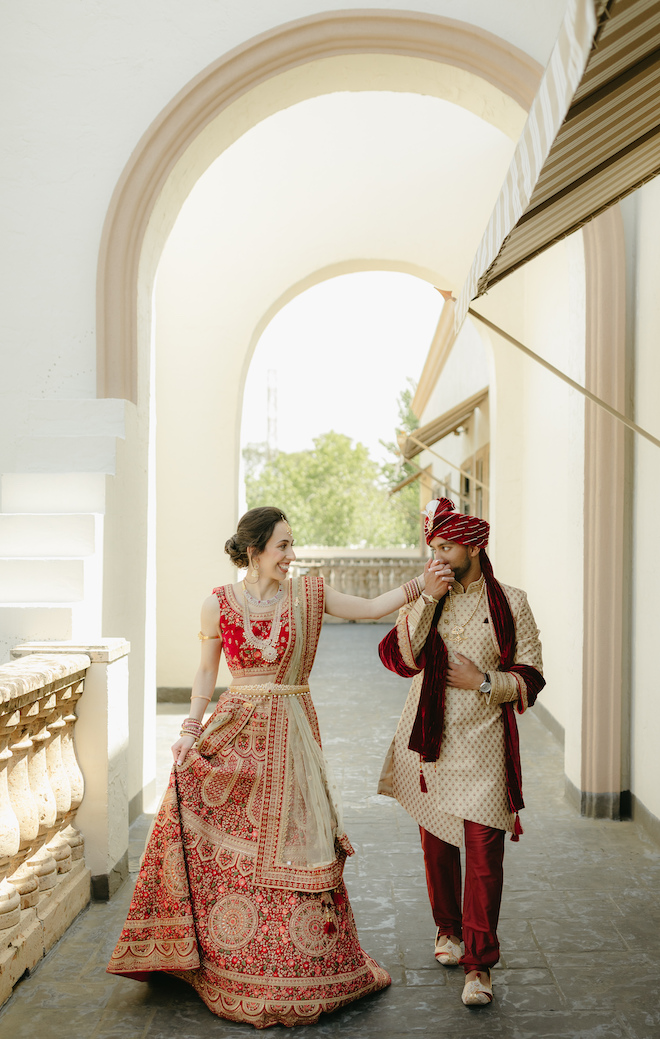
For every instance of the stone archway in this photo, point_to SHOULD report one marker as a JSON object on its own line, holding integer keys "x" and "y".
{"x": 410, "y": 52}
{"x": 186, "y": 137}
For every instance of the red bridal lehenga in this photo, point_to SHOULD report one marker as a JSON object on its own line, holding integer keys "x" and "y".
{"x": 240, "y": 892}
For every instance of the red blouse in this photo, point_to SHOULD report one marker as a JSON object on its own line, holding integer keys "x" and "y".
{"x": 242, "y": 658}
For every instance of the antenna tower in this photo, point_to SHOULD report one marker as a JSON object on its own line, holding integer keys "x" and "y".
{"x": 271, "y": 414}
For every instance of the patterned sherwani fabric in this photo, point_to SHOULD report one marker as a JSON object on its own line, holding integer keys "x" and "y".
{"x": 468, "y": 781}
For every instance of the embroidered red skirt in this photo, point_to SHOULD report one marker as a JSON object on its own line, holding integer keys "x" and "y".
{"x": 256, "y": 953}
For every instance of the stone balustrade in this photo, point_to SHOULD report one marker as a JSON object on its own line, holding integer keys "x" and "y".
{"x": 366, "y": 576}
{"x": 44, "y": 882}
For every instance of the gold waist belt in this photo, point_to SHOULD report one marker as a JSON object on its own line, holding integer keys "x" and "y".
{"x": 269, "y": 689}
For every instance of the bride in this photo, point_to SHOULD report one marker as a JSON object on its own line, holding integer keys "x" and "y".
{"x": 240, "y": 891}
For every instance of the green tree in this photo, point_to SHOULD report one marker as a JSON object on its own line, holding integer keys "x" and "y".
{"x": 333, "y": 495}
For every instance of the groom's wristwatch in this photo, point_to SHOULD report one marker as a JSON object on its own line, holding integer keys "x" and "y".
{"x": 485, "y": 686}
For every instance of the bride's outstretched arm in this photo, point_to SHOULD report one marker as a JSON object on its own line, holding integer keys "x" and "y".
{"x": 355, "y": 608}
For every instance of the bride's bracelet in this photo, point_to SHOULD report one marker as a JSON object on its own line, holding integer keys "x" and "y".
{"x": 191, "y": 727}
{"x": 412, "y": 590}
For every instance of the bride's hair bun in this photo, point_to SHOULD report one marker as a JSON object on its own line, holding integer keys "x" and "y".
{"x": 255, "y": 529}
{"x": 232, "y": 548}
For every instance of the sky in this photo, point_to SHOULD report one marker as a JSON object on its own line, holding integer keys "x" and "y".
{"x": 341, "y": 353}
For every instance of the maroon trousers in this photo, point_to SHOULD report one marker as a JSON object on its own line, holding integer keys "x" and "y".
{"x": 484, "y": 874}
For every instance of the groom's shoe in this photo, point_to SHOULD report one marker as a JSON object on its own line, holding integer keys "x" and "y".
{"x": 447, "y": 950}
{"x": 478, "y": 991}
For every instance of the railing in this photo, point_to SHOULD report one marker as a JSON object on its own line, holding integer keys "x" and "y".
{"x": 361, "y": 575}
{"x": 44, "y": 882}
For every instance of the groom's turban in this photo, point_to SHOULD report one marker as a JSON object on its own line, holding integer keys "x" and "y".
{"x": 443, "y": 520}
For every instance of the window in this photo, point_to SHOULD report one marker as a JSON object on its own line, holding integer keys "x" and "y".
{"x": 474, "y": 483}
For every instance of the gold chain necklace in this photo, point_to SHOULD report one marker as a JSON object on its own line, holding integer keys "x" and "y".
{"x": 456, "y": 634}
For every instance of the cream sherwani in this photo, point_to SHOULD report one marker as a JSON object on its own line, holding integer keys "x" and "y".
{"x": 468, "y": 781}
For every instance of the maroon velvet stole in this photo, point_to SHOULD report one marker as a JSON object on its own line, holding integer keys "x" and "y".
{"x": 426, "y": 734}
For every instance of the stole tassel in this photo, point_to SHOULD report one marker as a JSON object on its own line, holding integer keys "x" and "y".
{"x": 329, "y": 927}
{"x": 517, "y": 829}
{"x": 422, "y": 779}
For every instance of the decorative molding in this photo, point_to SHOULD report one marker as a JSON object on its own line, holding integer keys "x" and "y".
{"x": 397, "y": 33}
{"x": 640, "y": 814}
{"x": 605, "y": 524}
{"x": 105, "y": 885}
{"x": 600, "y": 806}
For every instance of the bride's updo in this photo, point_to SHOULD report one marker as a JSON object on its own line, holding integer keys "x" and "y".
{"x": 255, "y": 529}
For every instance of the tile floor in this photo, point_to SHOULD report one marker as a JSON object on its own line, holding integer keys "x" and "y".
{"x": 580, "y": 922}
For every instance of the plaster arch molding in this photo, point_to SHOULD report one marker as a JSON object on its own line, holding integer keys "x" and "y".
{"x": 397, "y": 51}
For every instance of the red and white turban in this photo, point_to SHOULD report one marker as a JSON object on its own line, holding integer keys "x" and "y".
{"x": 442, "y": 519}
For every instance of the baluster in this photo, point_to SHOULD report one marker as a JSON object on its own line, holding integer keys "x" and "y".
{"x": 373, "y": 576}
{"x": 21, "y": 796}
{"x": 27, "y": 884}
{"x": 76, "y": 781}
{"x": 59, "y": 781}
{"x": 362, "y": 579}
{"x": 76, "y": 842}
{"x": 38, "y": 767}
{"x": 352, "y": 579}
{"x": 60, "y": 850}
{"x": 10, "y": 905}
{"x": 10, "y": 832}
{"x": 44, "y": 867}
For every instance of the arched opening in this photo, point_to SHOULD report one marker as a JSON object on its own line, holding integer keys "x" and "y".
{"x": 393, "y": 51}
{"x": 337, "y": 183}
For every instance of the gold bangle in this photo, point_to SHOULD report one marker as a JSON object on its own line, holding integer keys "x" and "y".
{"x": 201, "y": 636}
{"x": 411, "y": 590}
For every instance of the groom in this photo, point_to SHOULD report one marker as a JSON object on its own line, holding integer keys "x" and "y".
{"x": 471, "y": 646}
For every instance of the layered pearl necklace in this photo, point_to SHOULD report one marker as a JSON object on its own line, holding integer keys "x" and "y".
{"x": 266, "y": 646}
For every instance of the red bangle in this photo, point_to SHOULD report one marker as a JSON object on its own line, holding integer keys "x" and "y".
{"x": 191, "y": 727}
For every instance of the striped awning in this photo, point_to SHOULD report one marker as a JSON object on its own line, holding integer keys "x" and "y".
{"x": 449, "y": 422}
{"x": 592, "y": 137}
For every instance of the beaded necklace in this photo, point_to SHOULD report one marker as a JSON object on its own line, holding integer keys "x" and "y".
{"x": 266, "y": 646}
{"x": 252, "y": 599}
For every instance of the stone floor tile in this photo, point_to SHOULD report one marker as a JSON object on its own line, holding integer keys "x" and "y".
{"x": 640, "y": 927}
{"x": 584, "y": 934}
{"x": 525, "y": 976}
{"x": 124, "y": 1023}
{"x": 510, "y": 960}
{"x": 27, "y": 1022}
{"x": 63, "y": 993}
{"x": 418, "y": 955}
{"x": 429, "y": 976}
{"x": 616, "y": 987}
{"x": 643, "y": 1020}
{"x": 577, "y": 960}
{"x": 565, "y": 1025}
{"x": 192, "y": 1023}
{"x": 517, "y": 998}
